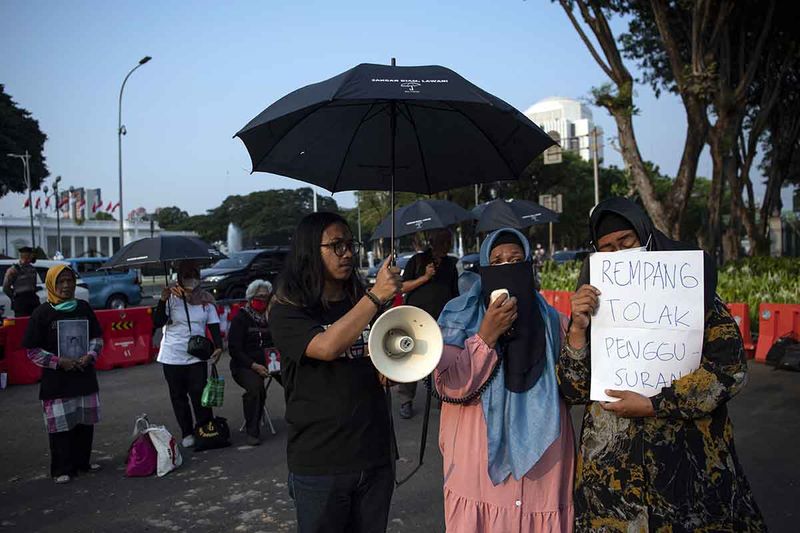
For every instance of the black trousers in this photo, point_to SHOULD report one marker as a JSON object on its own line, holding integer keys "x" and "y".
{"x": 24, "y": 304}
{"x": 253, "y": 398}
{"x": 343, "y": 503}
{"x": 186, "y": 383}
{"x": 71, "y": 450}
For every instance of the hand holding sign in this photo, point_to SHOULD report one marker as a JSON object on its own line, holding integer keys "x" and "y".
{"x": 648, "y": 329}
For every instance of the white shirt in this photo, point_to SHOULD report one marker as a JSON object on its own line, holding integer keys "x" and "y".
{"x": 176, "y": 335}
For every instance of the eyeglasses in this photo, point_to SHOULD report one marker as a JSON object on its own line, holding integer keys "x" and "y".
{"x": 341, "y": 247}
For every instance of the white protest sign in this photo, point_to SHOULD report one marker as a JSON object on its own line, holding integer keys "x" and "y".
{"x": 648, "y": 330}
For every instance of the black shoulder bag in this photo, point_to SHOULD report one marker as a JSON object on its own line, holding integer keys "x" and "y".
{"x": 199, "y": 346}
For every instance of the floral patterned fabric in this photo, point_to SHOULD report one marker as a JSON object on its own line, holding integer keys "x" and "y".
{"x": 677, "y": 471}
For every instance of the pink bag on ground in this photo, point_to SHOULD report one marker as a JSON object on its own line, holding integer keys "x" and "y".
{"x": 142, "y": 458}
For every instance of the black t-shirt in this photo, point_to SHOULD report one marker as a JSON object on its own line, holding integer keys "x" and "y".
{"x": 42, "y": 332}
{"x": 336, "y": 410}
{"x": 443, "y": 287}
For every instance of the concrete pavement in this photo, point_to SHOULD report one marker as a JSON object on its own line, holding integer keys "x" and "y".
{"x": 243, "y": 489}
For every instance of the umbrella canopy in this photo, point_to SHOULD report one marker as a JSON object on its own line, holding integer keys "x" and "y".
{"x": 511, "y": 214}
{"x": 163, "y": 249}
{"x": 422, "y": 215}
{"x": 420, "y": 129}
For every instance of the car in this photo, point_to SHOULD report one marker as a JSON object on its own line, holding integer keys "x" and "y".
{"x": 108, "y": 289}
{"x": 402, "y": 260}
{"x": 228, "y": 278}
{"x": 563, "y": 256}
{"x": 42, "y": 266}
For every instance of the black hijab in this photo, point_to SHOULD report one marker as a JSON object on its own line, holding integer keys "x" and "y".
{"x": 647, "y": 232}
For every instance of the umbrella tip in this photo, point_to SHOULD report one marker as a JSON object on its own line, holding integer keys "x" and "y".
{"x": 394, "y": 62}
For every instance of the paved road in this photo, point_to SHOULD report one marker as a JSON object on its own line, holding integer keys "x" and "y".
{"x": 243, "y": 489}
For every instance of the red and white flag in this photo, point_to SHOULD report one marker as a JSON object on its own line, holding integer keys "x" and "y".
{"x": 81, "y": 204}
{"x": 110, "y": 207}
{"x": 27, "y": 202}
{"x": 38, "y": 203}
{"x": 95, "y": 206}
{"x": 116, "y": 206}
{"x": 47, "y": 203}
{"x": 64, "y": 202}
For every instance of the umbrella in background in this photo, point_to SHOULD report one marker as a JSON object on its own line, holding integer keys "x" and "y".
{"x": 422, "y": 215}
{"x": 163, "y": 250}
{"x": 511, "y": 214}
{"x": 419, "y": 129}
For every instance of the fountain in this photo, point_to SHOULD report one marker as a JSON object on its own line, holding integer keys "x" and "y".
{"x": 234, "y": 238}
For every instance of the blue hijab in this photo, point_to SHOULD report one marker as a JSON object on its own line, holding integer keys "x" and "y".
{"x": 520, "y": 426}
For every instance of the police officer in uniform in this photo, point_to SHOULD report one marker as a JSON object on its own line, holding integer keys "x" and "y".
{"x": 20, "y": 284}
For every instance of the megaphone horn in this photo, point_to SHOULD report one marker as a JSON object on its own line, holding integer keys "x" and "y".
{"x": 405, "y": 344}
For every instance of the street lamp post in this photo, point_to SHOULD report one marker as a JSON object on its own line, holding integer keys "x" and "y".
{"x": 26, "y": 174}
{"x": 120, "y": 132}
{"x": 58, "y": 212}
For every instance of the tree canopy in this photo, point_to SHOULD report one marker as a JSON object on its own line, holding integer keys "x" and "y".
{"x": 19, "y": 131}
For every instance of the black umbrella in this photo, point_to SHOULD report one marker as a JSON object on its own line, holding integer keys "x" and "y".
{"x": 163, "y": 250}
{"x": 421, "y": 215}
{"x": 511, "y": 214}
{"x": 376, "y": 127}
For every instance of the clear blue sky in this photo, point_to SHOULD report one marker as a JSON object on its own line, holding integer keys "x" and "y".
{"x": 217, "y": 64}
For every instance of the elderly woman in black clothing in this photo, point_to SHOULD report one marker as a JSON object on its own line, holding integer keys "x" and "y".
{"x": 248, "y": 341}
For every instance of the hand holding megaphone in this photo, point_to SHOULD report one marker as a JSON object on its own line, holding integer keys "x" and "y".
{"x": 387, "y": 283}
{"x": 500, "y": 315}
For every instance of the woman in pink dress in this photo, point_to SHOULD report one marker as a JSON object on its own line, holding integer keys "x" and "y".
{"x": 508, "y": 447}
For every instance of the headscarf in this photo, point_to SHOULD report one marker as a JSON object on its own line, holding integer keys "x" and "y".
{"x": 649, "y": 236}
{"x": 520, "y": 426}
{"x": 50, "y": 284}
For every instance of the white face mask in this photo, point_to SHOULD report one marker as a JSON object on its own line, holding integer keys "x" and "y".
{"x": 190, "y": 283}
{"x": 640, "y": 248}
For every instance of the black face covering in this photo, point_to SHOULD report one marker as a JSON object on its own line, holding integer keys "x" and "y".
{"x": 524, "y": 349}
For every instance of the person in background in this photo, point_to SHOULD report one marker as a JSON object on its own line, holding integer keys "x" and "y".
{"x": 185, "y": 374}
{"x": 339, "y": 448}
{"x": 19, "y": 283}
{"x": 249, "y": 338}
{"x": 668, "y": 462}
{"x": 508, "y": 452}
{"x": 69, "y": 391}
{"x": 430, "y": 280}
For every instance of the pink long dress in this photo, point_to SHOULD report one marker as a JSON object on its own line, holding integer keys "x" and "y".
{"x": 540, "y": 502}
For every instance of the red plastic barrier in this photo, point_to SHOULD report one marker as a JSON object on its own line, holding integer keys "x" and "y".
{"x": 20, "y": 369}
{"x": 127, "y": 337}
{"x": 560, "y": 300}
{"x": 741, "y": 314}
{"x": 776, "y": 321}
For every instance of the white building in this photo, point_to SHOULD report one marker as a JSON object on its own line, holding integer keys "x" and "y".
{"x": 95, "y": 237}
{"x": 571, "y": 120}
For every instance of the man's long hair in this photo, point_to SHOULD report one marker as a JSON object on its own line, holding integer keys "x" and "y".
{"x": 302, "y": 281}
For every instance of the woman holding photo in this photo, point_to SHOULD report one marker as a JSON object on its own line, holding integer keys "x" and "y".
{"x": 68, "y": 390}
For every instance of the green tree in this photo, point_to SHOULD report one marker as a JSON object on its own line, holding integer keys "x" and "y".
{"x": 171, "y": 218}
{"x": 19, "y": 131}
{"x": 265, "y": 217}
{"x": 102, "y": 215}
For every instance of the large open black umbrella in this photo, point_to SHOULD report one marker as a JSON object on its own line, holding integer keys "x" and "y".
{"x": 420, "y": 129}
{"x": 511, "y": 214}
{"x": 421, "y": 215}
{"x": 163, "y": 250}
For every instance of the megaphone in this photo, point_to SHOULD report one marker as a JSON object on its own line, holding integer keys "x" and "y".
{"x": 405, "y": 344}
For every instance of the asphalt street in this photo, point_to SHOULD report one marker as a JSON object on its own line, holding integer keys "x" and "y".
{"x": 243, "y": 489}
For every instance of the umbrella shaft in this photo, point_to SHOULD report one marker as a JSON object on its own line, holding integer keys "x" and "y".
{"x": 393, "y": 125}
